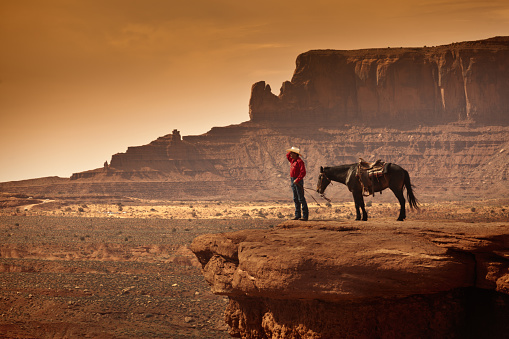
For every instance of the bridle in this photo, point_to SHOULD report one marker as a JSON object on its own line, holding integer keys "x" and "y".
{"x": 322, "y": 176}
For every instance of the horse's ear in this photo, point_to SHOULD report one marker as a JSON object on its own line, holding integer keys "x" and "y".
{"x": 321, "y": 169}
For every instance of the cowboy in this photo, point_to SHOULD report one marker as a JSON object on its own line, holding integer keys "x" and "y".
{"x": 297, "y": 174}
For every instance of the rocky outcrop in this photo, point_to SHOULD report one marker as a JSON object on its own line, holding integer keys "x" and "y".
{"x": 167, "y": 154}
{"x": 393, "y": 86}
{"x": 338, "y": 279}
{"x": 247, "y": 161}
{"x": 326, "y": 111}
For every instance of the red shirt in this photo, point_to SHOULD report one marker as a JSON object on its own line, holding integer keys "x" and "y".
{"x": 297, "y": 168}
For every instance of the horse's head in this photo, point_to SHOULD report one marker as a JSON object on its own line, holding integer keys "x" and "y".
{"x": 323, "y": 182}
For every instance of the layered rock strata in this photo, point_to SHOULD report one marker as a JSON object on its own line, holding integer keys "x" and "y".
{"x": 321, "y": 110}
{"x": 393, "y": 86}
{"x": 338, "y": 107}
{"x": 340, "y": 280}
{"x": 247, "y": 161}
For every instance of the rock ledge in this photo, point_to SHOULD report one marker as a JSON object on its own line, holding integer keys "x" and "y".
{"x": 319, "y": 279}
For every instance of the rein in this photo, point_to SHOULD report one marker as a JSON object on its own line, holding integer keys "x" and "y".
{"x": 324, "y": 197}
{"x": 312, "y": 190}
{"x": 323, "y": 194}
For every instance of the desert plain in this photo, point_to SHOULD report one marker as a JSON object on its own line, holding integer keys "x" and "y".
{"x": 123, "y": 269}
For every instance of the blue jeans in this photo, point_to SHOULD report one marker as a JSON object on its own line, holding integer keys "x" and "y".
{"x": 299, "y": 199}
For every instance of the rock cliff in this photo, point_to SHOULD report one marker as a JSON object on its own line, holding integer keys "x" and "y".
{"x": 439, "y": 112}
{"x": 247, "y": 161}
{"x": 393, "y": 86}
{"x": 375, "y": 280}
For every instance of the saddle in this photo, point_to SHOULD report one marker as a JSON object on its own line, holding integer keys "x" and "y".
{"x": 368, "y": 173}
{"x": 370, "y": 165}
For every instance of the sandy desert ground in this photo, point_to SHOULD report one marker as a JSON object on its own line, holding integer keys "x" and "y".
{"x": 124, "y": 269}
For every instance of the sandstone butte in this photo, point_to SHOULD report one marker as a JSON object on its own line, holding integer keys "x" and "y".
{"x": 439, "y": 112}
{"x": 345, "y": 279}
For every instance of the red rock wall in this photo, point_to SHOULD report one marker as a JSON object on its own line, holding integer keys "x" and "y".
{"x": 464, "y": 81}
{"x": 464, "y": 313}
{"x": 452, "y": 161}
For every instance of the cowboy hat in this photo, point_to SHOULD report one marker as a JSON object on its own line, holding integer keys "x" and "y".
{"x": 294, "y": 150}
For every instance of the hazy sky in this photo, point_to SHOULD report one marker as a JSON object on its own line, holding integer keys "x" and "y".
{"x": 81, "y": 80}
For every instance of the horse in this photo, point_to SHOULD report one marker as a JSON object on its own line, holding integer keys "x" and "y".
{"x": 395, "y": 177}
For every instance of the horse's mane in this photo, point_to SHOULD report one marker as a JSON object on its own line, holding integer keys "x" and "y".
{"x": 339, "y": 167}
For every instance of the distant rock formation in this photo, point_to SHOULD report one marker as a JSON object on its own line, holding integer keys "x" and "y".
{"x": 375, "y": 280}
{"x": 167, "y": 154}
{"x": 393, "y": 86}
{"x": 439, "y": 112}
{"x": 247, "y": 161}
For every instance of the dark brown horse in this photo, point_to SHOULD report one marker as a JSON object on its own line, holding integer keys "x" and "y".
{"x": 395, "y": 178}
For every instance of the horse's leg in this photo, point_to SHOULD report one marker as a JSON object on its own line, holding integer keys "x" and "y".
{"x": 401, "y": 198}
{"x": 359, "y": 205}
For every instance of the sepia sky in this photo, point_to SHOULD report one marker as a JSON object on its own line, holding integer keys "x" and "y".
{"x": 81, "y": 80}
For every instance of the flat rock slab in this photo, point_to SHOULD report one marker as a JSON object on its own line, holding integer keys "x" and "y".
{"x": 346, "y": 260}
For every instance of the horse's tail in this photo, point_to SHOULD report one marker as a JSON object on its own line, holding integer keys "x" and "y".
{"x": 412, "y": 200}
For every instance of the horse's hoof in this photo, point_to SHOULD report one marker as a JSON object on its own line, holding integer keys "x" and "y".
{"x": 400, "y": 219}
